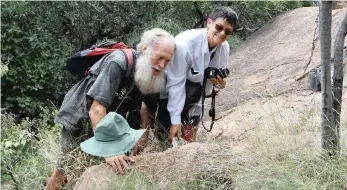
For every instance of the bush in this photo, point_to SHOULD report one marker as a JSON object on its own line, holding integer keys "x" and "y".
{"x": 234, "y": 42}
{"x": 34, "y": 56}
{"x": 38, "y": 37}
{"x": 27, "y": 157}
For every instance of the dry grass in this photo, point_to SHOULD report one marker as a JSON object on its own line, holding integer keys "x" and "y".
{"x": 282, "y": 150}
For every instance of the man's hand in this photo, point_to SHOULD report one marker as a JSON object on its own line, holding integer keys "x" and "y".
{"x": 175, "y": 130}
{"x": 119, "y": 163}
{"x": 218, "y": 82}
{"x": 141, "y": 144}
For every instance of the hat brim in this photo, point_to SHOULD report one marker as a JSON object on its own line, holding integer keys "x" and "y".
{"x": 112, "y": 148}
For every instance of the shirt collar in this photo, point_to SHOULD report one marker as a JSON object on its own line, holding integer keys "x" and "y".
{"x": 204, "y": 48}
{"x": 214, "y": 49}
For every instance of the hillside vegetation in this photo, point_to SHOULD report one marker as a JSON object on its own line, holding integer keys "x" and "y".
{"x": 268, "y": 137}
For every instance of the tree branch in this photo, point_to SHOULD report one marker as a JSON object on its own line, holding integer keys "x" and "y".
{"x": 241, "y": 11}
{"x": 106, "y": 7}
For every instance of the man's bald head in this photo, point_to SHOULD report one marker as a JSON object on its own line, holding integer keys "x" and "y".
{"x": 153, "y": 37}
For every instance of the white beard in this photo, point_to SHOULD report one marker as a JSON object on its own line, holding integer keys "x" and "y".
{"x": 148, "y": 83}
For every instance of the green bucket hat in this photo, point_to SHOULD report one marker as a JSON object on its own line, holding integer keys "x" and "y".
{"x": 112, "y": 136}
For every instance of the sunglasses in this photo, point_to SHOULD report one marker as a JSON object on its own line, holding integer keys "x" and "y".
{"x": 220, "y": 28}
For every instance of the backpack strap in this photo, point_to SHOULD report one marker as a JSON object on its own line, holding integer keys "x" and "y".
{"x": 129, "y": 56}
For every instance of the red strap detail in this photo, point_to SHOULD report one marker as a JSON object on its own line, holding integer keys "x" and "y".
{"x": 119, "y": 45}
{"x": 104, "y": 51}
{"x": 129, "y": 53}
{"x": 100, "y": 51}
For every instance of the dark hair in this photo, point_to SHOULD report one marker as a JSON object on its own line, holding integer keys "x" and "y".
{"x": 225, "y": 13}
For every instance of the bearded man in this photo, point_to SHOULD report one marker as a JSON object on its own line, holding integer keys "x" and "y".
{"x": 107, "y": 88}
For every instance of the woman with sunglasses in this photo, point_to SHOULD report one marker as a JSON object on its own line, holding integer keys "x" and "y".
{"x": 196, "y": 50}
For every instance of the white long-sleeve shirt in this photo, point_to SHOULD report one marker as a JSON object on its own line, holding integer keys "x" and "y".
{"x": 191, "y": 52}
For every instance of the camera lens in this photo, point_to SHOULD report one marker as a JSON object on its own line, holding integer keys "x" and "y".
{"x": 226, "y": 72}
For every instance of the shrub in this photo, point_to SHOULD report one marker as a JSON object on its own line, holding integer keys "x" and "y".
{"x": 27, "y": 157}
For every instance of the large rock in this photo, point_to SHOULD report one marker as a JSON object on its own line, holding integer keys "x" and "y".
{"x": 272, "y": 58}
{"x": 270, "y": 64}
{"x": 173, "y": 167}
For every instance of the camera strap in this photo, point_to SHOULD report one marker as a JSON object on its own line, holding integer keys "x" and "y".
{"x": 212, "y": 111}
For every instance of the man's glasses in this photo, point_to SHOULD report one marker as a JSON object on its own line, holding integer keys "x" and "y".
{"x": 220, "y": 28}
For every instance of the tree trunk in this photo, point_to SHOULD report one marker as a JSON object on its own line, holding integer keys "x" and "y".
{"x": 201, "y": 18}
{"x": 328, "y": 132}
{"x": 334, "y": 4}
{"x": 338, "y": 79}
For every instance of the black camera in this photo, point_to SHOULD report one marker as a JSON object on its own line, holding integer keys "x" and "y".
{"x": 213, "y": 73}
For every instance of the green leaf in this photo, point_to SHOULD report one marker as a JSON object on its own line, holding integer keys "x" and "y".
{"x": 8, "y": 144}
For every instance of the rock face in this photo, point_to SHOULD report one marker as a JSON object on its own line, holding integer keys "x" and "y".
{"x": 274, "y": 56}
{"x": 267, "y": 65}
{"x": 208, "y": 162}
